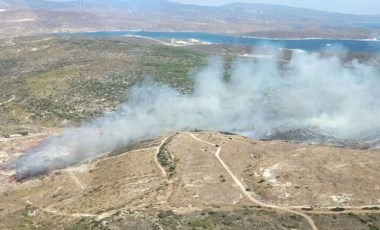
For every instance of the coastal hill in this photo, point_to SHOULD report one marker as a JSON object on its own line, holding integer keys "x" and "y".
{"x": 230, "y": 12}
{"x": 300, "y": 179}
{"x": 201, "y": 180}
{"x": 25, "y": 17}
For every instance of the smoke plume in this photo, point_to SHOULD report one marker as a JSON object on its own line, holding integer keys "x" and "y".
{"x": 261, "y": 96}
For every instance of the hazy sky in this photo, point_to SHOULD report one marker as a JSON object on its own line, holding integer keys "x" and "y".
{"x": 345, "y": 6}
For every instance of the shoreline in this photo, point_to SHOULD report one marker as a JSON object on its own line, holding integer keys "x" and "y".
{"x": 219, "y": 34}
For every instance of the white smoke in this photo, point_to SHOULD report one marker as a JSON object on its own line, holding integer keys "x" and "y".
{"x": 259, "y": 97}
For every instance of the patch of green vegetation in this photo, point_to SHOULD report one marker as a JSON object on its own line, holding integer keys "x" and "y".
{"x": 165, "y": 214}
{"x": 228, "y": 67}
{"x": 74, "y": 79}
{"x": 7, "y": 64}
{"x": 14, "y": 110}
{"x": 263, "y": 213}
{"x": 365, "y": 220}
{"x": 338, "y": 209}
{"x": 371, "y": 208}
{"x": 28, "y": 210}
{"x": 201, "y": 223}
{"x": 291, "y": 226}
{"x": 87, "y": 224}
{"x": 49, "y": 83}
{"x": 163, "y": 157}
{"x": 165, "y": 160}
{"x": 25, "y": 192}
{"x": 23, "y": 133}
{"x": 172, "y": 65}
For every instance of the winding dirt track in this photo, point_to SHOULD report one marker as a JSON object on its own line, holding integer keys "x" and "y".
{"x": 247, "y": 194}
{"x": 77, "y": 181}
{"x": 109, "y": 213}
{"x": 156, "y": 155}
{"x": 77, "y": 215}
{"x": 10, "y": 100}
{"x": 293, "y": 209}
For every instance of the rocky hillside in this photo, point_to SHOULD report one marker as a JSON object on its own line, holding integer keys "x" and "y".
{"x": 230, "y": 12}
{"x": 262, "y": 20}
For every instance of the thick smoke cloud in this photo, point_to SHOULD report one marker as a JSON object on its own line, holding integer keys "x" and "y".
{"x": 260, "y": 96}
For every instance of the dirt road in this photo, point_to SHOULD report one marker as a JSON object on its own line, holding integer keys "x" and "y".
{"x": 246, "y": 193}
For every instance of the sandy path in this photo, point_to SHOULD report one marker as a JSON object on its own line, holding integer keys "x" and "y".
{"x": 10, "y": 100}
{"x": 152, "y": 39}
{"x": 156, "y": 156}
{"x": 77, "y": 215}
{"x": 77, "y": 181}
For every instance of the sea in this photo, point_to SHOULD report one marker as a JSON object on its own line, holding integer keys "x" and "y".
{"x": 305, "y": 44}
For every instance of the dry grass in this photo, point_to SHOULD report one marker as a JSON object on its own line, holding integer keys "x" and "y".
{"x": 129, "y": 190}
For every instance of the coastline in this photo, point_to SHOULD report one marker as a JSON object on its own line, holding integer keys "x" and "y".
{"x": 234, "y": 35}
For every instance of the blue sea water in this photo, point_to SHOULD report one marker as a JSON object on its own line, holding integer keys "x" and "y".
{"x": 313, "y": 44}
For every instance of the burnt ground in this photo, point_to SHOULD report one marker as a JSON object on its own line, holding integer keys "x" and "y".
{"x": 316, "y": 137}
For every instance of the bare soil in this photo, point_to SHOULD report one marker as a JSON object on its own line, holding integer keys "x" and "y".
{"x": 197, "y": 191}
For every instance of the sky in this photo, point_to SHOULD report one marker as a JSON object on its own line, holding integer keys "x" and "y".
{"x": 342, "y": 6}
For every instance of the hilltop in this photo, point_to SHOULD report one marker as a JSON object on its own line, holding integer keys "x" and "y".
{"x": 189, "y": 180}
{"x": 202, "y": 180}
